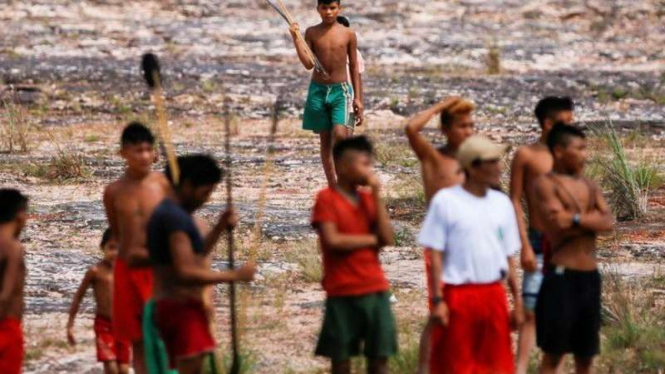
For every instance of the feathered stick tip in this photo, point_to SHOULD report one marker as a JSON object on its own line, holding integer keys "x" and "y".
{"x": 151, "y": 71}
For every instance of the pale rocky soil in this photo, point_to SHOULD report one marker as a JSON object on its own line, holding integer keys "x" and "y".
{"x": 75, "y": 64}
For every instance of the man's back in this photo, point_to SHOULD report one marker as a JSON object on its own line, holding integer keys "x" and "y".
{"x": 330, "y": 44}
{"x": 12, "y": 269}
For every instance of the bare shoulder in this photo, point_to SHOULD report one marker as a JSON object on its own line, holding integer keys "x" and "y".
{"x": 542, "y": 182}
{"x": 113, "y": 188}
{"x": 11, "y": 250}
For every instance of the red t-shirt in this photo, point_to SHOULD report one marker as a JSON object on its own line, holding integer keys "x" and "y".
{"x": 355, "y": 272}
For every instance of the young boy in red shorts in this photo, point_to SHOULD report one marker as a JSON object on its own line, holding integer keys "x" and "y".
{"x": 353, "y": 225}
{"x": 475, "y": 227}
{"x": 179, "y": 254}
{"x": 439, "y": 169}
{"x": 114, "y": 354}
{"x": 129, "y": 202}
{"x": 13, "y": 216}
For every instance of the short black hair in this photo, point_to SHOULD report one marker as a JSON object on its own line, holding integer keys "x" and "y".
{"x": 329, "y": 2}
{"x": 550, "y": 106}
{"x": 106, "y": 236}
{"x": 355, "y": 143}
{"x": 199, "y": 169}
{"x": 12, "y": 202}
{"x": 561, "y": 134}
{"x": 136, "y": 133}
{"x": 343, "y": 21}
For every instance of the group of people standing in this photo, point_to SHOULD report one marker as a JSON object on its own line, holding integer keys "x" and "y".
{"x": 153, "y": 286}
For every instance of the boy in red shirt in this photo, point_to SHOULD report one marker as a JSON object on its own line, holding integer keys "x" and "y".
{"x": 114, "y": 354}
{"x": 13, "y": 215}
{"x": 353, "y": 225}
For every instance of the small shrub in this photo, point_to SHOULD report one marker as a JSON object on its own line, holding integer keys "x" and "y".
{"x": 64, "y": 166}
{"x": 629, "y": 183}
{"x": 14, "y": 129}
{"x": 493, "y": 60}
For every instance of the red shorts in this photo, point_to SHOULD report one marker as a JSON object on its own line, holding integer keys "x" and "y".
{"x": 477, "y": 338}
{"x": 184, "y": 327}
{"x": 11, "y": 346}
{"x": 131, "y": 290}
{"x": 108, "y": 348}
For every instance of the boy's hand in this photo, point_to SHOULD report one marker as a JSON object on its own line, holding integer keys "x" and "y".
{"x": 229, "y": 219}
{"x": 528, "y": 259}
{"x": 70, "y": 336}
{"x": 294, "y": 30}
{"x": 247, "y": 272}
{"x": 440, "y": 314}
{"x": 359, "y": 110}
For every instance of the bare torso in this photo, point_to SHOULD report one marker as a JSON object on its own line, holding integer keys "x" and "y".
{"x": 330, "y": 44}
{"x": 133, "y": 201}
{"x": 15, "y": 304}
{"x": 574, "y": 248}
{"x": 102, "y": 283}
{"x": 441, "y": 171}
{"x": 538, "y": 163}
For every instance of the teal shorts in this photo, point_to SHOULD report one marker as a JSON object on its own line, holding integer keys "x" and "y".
{"x": 328, "y": 105}
{"x": 355, "y": 324}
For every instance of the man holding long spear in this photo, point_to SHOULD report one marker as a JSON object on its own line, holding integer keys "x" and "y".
{"x": 326, "y": 48}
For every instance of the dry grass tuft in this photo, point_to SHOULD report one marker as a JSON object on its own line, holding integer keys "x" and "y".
{"x": 15, "y": 130}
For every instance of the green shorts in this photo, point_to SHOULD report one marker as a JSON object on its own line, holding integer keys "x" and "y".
{"x": 354, "y": 321}
{"x": 328, "y": 105}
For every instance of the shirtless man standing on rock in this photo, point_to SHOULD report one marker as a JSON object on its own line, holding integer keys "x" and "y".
{"x": 129, "y": 203}
{"x": 329, "y": 97}
{"x": 530, "y": 163}
{"x": 440, "y": 169}
{"x": 574, "y": 212}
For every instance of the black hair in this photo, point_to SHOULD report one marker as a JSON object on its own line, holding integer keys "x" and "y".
{"x": 326, "y": 2}
{"x": 343, "y": 21}
{"x": 550, "y": 106}
{"x": 136, "y": 133}
{"x": 106, "y": 236}
{"x": 198, "y": 169}
{"x": 355, "y": 143}
{"x": 11, "y": 203}
{"x": 561, "y": 135}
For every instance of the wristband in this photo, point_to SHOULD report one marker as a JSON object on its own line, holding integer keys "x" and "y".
{"x": 576, "y": 220}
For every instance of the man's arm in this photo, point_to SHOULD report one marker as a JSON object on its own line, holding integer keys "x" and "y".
{"x": 109, "y": 207}
{"x": 440, "y": 311}
{"x": 227, "y": 221}
{"x": 420, "y": 145}
{"x": 518, "y": 311}
{"x": 527, "y": 254}
{"x": 384, "y": 230}
{"x": 300, "y": 48}
{"x": 76, "y": 303}
{"x": 601, "y": 218}
{"x": 189, "y": 272}
{"x": 352, "y": 51}
{"x": 11, "y": 277}
{"x": 555, "y": 215}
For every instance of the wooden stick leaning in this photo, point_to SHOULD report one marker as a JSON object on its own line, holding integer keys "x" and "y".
{"x": 153, "y": 77}
{"x": 230, "y": 240}
{"x": 284, "y": 12}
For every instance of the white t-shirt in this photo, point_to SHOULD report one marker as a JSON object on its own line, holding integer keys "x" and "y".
{"x": 477, "y": 234}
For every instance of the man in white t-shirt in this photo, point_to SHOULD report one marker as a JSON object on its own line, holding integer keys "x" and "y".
{"x": 475, "y": 227}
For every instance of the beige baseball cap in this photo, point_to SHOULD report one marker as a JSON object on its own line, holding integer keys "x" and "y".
{"x": 479, "y": 148}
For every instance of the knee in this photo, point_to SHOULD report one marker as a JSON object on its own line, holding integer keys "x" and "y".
{"x": 340, "y": 133}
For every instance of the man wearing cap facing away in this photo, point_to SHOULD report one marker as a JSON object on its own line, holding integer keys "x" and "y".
{"x": 476, "y": 228}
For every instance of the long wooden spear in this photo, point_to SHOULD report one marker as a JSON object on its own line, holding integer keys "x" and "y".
{"x": 153, "y": 77}
{"x": 281, "y": 9}
{"x": 235, "y": 366}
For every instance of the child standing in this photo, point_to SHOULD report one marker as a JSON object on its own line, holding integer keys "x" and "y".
{"x": 327, "y": 106}
{"x": 13, "y": 216}
{"x": 353, "y": 226}
{"x": 114, "y": 354}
